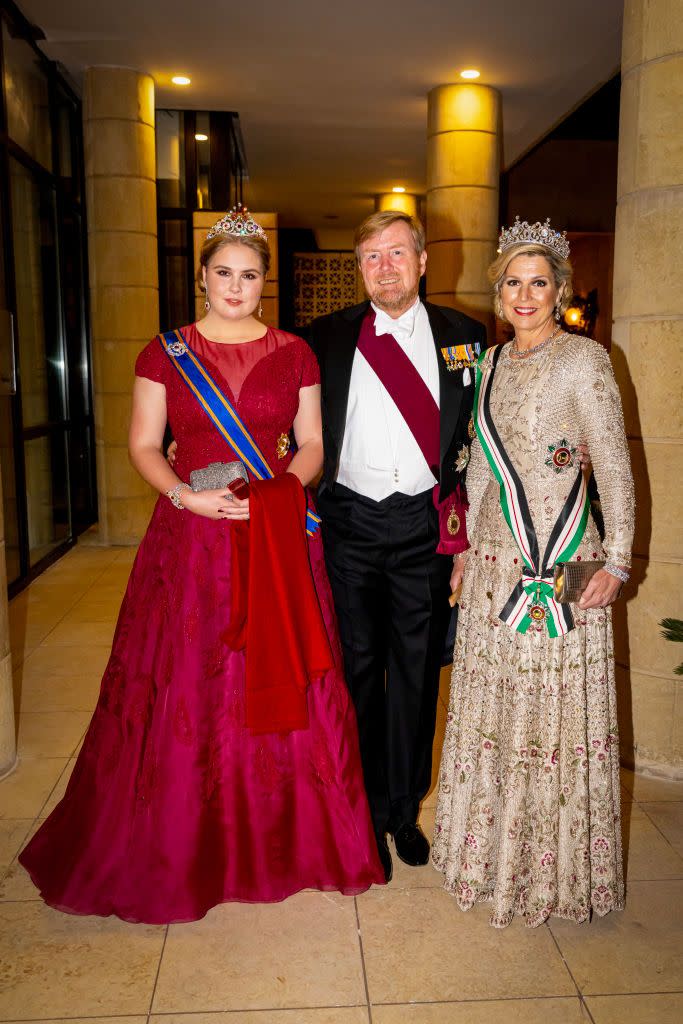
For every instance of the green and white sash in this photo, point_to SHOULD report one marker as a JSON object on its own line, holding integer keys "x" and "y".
{"x": 532, "y": 600}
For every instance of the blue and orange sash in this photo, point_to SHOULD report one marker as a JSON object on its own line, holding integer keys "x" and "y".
{"x": 532, "y": 599}
{"x": 221, "y": 412}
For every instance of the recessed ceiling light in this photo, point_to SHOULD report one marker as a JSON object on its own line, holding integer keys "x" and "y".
{"x": 201, "y": 137}
{"x": 470, "y": 73}
{"x": 398, "y": 188}
{"x": 181, "y": 80}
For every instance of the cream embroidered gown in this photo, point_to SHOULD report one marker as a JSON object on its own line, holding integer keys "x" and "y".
{"x": 528, "y": 808}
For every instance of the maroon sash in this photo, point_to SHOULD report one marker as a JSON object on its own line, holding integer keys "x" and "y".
{"x": 416, "y": 404}
{"x": 411, "y": 395}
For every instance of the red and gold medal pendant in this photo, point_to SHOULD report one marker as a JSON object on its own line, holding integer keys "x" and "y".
{"x": 537, "y": 612}
{"x": 453, "y": 522}
{"x": 282, "y": 446}
{"x": 561, "y": 455}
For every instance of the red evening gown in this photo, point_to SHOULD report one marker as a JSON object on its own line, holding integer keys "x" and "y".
{"x": 173, "y": 805}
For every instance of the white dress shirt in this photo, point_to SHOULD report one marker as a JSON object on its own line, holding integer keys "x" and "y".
{"x": 379, "y": 454}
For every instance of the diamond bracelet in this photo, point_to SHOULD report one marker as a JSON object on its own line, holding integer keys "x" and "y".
{"x": 174, "y": 495}
{"x": 615, "y": 570}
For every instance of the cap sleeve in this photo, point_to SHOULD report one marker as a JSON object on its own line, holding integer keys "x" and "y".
{"x": 310, "y": 371}
{"x": 152, "y": 363}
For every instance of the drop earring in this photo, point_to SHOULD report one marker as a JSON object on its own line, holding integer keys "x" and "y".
{"x": 207, "y": 304}
{"x": 260, "y": 310}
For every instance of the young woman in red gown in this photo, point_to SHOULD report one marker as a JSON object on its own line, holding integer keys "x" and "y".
{"x": 174, "y": 804}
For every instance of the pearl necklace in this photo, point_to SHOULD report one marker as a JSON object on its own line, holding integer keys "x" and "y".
{"x": 516, "y": 353}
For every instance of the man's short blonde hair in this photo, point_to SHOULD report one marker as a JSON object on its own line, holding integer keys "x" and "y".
{"x": 377, "y": 222}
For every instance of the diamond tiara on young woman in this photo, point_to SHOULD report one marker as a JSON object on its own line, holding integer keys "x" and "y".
{"x": 237, "y": 223}
{"x": 537, "y": 234}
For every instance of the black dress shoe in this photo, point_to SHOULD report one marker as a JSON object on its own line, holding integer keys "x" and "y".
{"x": 385, "y": 857}
{"x": 411, "y": 845}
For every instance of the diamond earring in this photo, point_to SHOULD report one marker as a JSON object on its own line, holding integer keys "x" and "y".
{"x": 207, "y": 305}
{"x": 260, "y": 310}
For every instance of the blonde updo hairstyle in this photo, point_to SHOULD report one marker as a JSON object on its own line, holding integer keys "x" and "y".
{"x": 211, "y": 246}
{"x": 560, "y": 268}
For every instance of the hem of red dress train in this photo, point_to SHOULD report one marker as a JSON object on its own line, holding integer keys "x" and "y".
{"x": 347, "y": 890}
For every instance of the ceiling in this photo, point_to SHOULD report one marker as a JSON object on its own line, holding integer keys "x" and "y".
{"x": 332, "y": 97}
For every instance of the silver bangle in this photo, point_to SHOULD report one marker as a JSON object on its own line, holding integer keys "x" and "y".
{"x": 615, "y": 570}
{"x": 174, "y": 495}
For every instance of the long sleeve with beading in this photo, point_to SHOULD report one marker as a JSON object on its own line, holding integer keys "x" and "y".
{"x": 602, "y": 422}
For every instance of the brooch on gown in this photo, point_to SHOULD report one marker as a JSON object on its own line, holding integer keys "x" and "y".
{"x": 282, "y": 445}
{"x": 561, "y": 455}
{"x": 460, "y": 357}
{"x": 462, "y": 459}
{"x": 177, "y": 348}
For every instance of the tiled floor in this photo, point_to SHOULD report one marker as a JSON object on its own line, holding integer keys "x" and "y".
{"x": 400, "y": 955}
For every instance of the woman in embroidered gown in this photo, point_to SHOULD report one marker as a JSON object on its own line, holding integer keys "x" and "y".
{"x": 175, "y": 804}
{"x": 528, "y": 807}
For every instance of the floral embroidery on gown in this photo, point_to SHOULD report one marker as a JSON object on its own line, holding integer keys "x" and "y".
{"x": 528, "y": 810}
{"x": 173, "y": 806}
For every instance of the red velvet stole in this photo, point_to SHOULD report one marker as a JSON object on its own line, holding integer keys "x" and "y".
{"x": 416, "y": 404}
{"x": 275, "y": 613}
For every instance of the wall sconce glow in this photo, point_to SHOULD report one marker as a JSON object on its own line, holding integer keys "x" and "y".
{"x": 470, "y": 73}
{"x": 181, "y": 80}
{"x": 398, "y": 188}
{"x": 573, "y": 315}
{"x": 201, "y": 137}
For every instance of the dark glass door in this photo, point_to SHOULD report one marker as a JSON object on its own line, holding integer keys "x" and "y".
{"x": 46, "y": 425}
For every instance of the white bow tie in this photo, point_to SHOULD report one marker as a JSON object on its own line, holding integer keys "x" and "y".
{"x": 402, "y": 328}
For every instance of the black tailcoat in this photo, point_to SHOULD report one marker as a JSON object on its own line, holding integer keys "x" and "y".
{"x": 390, "y": 587}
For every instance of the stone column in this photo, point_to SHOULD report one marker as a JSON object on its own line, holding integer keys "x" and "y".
{"x": 118, "y": 128}
{"x": 648, "y": 358}
{"x": 403, "y": 201}
{"x": 463, "y": 171}
{"x": 8, "y": 742}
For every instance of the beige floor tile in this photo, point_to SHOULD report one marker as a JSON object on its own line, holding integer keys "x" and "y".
{"x": 57, "y": 660}
{"x": 58, "y": 965}
{"x": 634, "y": 950}
{"x": 74, "y": 633}
{"x": 505, "y": 1011}
{"x": 649, "y": 855}
{"x": 126, "y": 555}
{"x": 20, "y": 655}
{"x": 93, "y": 609}
{"x": 419, "y": 946}
{"x": 303, "y": 952}
{"x": 647, "y": 788}
{"x": 50, "y": 733}
{"x": 652, "y": 1009}
{"x": 58, "y": 791}
{"x": 330, "y": 1015}
{"x": 23, "y": 793}
{"x": 17, "y": 887}
{"x": 90, "y": 1020}
{"x": 13, "y": 833}
{"x": 668, "y": 817}
{"x": 38, "y": 692}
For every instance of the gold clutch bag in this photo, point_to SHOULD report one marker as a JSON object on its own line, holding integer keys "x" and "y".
{"x": 570, "y": 579}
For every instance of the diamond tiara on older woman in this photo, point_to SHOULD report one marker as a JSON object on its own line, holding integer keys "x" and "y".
{"x": 536, "y": 234}
{"x": 237, "y": 223}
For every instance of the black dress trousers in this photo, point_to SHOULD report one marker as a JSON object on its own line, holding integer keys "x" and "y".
{"x": 391, "y": 595}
